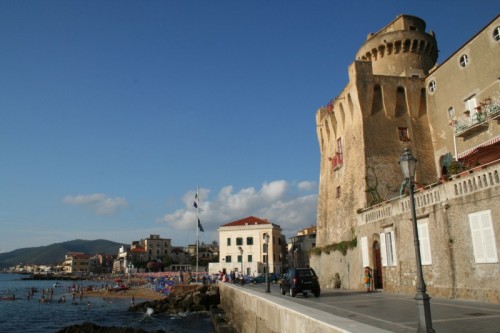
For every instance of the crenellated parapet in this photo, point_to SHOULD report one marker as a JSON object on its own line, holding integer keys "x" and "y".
{"x": 402, "y": 48}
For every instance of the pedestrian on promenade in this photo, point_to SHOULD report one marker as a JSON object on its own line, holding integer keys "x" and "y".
{"x": 368, "y": 278}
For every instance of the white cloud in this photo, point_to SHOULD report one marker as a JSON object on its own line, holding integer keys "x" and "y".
{"x": 277, "y": 201}
{"x": 98, "y": 203}
{"x": 306, "y": 186}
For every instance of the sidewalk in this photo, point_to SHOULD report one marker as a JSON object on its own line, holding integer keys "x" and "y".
{"x": 398, "y": 313}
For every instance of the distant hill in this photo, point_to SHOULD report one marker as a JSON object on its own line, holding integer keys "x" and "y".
{"x": 54, "y": 254}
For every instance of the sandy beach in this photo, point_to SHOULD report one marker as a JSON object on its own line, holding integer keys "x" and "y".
{"x": 137, "y": 288}
{"x": 139, "y": 292}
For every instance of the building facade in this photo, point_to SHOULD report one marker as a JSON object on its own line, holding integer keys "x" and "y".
{"x": 447, "y": 115}
{"x": 243, "y": 248}
{"x": 156, "y": 247}
{"x": 77, "y": 263}
{"x": 299, "y": 247}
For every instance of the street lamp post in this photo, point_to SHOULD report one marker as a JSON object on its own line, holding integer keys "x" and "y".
{"x": 241, "y": 254}
{"x": 129, "y": 264}
{"x": 408, "y": 163}
{"x": 266, "y": 241}
{"x": 281, "y": 262}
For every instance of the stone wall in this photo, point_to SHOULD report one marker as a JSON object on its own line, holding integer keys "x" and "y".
{"x": 252, "y": 311}
{"x": 453, "y": 272}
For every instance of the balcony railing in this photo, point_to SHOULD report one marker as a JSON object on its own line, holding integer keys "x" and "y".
{"x": 337, "y": 161}
{"x": 477, "y": 120}
{"x": 467, "y": 182}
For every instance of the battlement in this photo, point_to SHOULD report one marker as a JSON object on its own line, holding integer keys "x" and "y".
{"x": 402, "y": 48}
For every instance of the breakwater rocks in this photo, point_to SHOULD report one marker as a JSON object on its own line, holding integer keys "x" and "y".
{"x": 94, "y": 328}
{"x": 220, "y": 321}
{"x": 54, "y": 277}
{"x": 183, "y": 298}
{"x": 191, "y": 298}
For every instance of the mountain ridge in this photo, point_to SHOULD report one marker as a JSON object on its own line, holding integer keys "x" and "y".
{"x": 54, "y": 253}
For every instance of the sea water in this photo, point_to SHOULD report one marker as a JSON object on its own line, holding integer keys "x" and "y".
{"x": 31, "y": 315}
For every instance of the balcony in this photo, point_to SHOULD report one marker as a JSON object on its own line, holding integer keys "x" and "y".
{"x": 478, "y": 120}
{"x": 337, "y": 161}
{"x": 465, "y": 183}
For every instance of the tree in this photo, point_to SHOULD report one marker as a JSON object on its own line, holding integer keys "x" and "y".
{"x": 154, "y": 266}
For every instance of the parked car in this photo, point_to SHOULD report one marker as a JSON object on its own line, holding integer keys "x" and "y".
{"x": 262, "y": 278}
{"x": 300, "y": 280}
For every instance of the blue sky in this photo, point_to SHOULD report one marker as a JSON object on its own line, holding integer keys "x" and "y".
{"x": 113, "y": 112}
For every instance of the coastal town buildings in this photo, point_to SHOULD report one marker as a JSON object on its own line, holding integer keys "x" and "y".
{"x": 299, "y": 247}
{"x": 77, "y": 262}
{"x": 180, "y": 259}
{"x": 243, "y": 247}
{"x": 447, "y": 115}
{"x": 152, "y": 248}
{"x": 83, "y": 263}
{"x": 156, "y": 247}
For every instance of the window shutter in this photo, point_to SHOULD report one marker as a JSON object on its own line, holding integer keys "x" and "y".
{"x": 364, "y": 251}
{"x": 383, "y": 251}
{"x": 477, "y": 243}
{"x": 425, "y": 249}
{"x": 394, "y": 257}
{"x": 488, "y": 234}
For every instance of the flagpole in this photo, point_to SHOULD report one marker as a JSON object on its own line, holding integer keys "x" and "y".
{"x": 197, "y": 231}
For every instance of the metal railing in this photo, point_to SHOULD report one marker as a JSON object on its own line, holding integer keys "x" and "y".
{"x": 484, "y": 112}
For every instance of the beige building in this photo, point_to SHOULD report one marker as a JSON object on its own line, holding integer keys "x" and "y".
{"x": 156, "y": 247}
{"x": 299, "y": 247}
{"x": 447, "y": 115}
{"x": 135, "y": 258}
{"x": 76, "y": 262}
{"x": 463, "y": 96}
{"x": 242, "y": 247}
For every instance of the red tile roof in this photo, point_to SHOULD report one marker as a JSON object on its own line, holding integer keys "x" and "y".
{"x": 138, "y": 250}
{"x": 250, "y": 220}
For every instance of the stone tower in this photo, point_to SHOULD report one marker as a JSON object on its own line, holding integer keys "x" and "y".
{"x": 362, "y": 131}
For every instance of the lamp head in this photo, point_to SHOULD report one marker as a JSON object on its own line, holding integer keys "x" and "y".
{"x": 408, "y": 164}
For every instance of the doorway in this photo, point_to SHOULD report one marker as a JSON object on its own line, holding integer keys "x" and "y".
{"x": 377, "y": 270}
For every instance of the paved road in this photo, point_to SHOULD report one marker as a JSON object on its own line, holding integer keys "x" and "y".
{"x": 398, "y": 313}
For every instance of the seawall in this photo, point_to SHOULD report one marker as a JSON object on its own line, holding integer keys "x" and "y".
{"x": 253, "y": 311}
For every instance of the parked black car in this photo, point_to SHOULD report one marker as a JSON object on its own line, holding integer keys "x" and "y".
{"x": 300, "y": 280}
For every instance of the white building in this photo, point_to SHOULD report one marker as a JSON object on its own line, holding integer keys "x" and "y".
{"x": 243, "y": 247}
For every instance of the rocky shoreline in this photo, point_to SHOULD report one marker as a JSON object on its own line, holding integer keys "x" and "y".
{"x": 54, "y": 277}
{"x": 183, "y": 298}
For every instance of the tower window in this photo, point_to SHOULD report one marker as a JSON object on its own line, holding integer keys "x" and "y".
{"x": 403, "y": 134}
{"x": 464, "y": 60}
{"x": 496, "y": 34}
{"x": 451, "y": 112}
{"x": 432, "y": 86}
{"x": 337, "y": 192}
